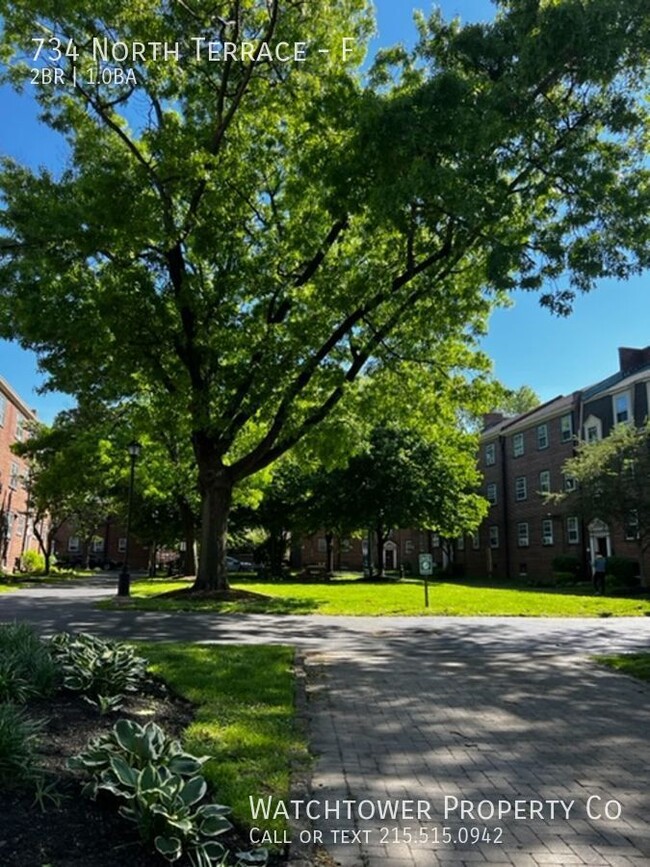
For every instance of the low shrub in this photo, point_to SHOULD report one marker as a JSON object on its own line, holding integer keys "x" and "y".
{"x": 564, "y": 579}
{"x": 161, "y": 791}
{"x": 33, "y": 562}
{"x": 18, "y": 745}
{"x": 103, "y": 671}
{"x": 566, "y": 563}
{"x": 623, "y": 570}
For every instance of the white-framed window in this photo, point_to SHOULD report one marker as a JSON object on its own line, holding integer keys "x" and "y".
{"x": 346, "y": 545}
{"x": 542, "y": 436}
{"x": 20, "y": 524}
{"x": 622, "y": 405}
{"x": 435, "y": 541}
{"x": 321, "y": 545}
{"x": 593, "y": 429}
{"x": 121, "y": 544}
{"x": 476, "y": 540}
{"x": 97, "y": 544}
{"x": 409, "y": 547}
{"x": 460, "y": 543}
{"x": 523, "y": 535}
{"x": 566, "y": 428}
{"x": 14, "y": 476}
{"x": 3, "y": 409}
{"x": 521, "y": 488}
{"x": 492, "y": 493}
{"x": 20, "y": 427}
{"x": 74, "y": 544}
{"x": 572, "y": 530}
{"x": 570, "y": 483}
{"x": 545, "y": 482}
{"x": 518, "y": 445}
{"x": 494, "y": 537}
{"x": 490, "y": 455}
{"x": 547, "y": 531}
{"x": 632, "y": 526}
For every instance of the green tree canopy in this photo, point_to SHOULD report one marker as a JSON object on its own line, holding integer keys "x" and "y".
{"x": 246, "y": 237}
{"x": 612, "y": 478}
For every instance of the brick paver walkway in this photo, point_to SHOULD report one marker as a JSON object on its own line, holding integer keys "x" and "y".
{"x": 436, "y": 718}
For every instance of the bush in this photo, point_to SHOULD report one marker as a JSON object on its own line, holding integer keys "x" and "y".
{"x": 26, "y": 667}
{"x": 103, "y": 671}
{"x": 33, "y": 562}
{"x": 622, "y": 574}
{"x": 564, "y": 579}
{"x": 567, "y": 563}
{"x": 18, "y": 744}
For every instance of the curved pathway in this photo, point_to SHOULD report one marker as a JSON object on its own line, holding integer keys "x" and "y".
{"x": 502, "y": 729}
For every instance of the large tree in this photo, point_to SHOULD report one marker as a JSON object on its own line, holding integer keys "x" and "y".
{"x": 612, "y": 483}
{"x": 247, "y": 235}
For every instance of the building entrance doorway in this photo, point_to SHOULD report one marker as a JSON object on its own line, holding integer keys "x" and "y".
{"x": 390, "y": 556}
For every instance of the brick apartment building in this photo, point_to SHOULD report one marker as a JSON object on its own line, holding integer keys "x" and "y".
{"x": 521, "y": 459}
{"x": 16, "y": 527}
{"x": 105, "y": 549}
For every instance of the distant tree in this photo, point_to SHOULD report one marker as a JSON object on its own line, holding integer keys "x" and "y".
{"x": 403, "y": 479}
{"x": 70, "y": 478}
{"x": 612, "y": 478}
{"x": 518, "y": 401}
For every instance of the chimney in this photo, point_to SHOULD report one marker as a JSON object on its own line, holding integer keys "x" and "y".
{"x": 630, "y": 360}
{"x": 490, "y": 419}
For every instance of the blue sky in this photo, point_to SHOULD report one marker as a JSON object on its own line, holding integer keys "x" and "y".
{"x": 526, "y": 343}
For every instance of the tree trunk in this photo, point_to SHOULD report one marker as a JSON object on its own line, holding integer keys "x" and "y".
{"x": 329, "y": 556}
{"x": 381, "y": 541}
{"x": 216, "y": 499}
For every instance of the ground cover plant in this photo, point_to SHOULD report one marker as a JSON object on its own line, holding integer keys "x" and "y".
{"x": 360, "y": 597}
{"x": 133, "y": 760}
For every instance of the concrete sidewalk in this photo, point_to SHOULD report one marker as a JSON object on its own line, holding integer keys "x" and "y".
{"x": 482, "y": 710}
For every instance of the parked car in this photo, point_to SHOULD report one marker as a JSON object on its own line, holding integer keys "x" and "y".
{"x": 235, "y": 565}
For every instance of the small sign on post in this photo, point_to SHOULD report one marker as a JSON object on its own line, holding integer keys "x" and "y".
{"x": 426, "y": 569}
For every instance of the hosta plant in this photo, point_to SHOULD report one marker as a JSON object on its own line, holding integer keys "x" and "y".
{"x": 102, "y": 671}
{"x": 161, "y": 791}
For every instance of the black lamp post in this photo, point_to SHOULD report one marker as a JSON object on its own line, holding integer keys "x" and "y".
{"x": 124, "y": 582}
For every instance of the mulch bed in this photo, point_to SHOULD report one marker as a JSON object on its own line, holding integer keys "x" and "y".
{"x": 230, "y": 595}
{"x": 80, "y": 832}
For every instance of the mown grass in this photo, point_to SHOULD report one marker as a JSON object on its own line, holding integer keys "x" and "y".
{"x": 394, "y": 598}
{"x": 635, "y": 664}
{"x": 245, "y": 717}
{"x": 22, "y": 580}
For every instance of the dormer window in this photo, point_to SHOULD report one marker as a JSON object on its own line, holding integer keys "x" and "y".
{"x": 622, "y": 407}
{"x": 593, "y": 429}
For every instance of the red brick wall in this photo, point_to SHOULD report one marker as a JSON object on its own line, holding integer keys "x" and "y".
{"x": 13, "y": 493}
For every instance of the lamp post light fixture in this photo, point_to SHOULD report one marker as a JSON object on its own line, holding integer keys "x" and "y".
{"x": 124, "y": 582}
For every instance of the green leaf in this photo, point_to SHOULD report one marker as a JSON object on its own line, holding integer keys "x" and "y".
{"x": 123, "y": 771}
{"x": 193, "y": 791}
{"x": 212, "y": 826}
{"x": 169, "y": 847}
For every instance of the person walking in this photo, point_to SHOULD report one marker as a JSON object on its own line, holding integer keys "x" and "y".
{"x": 600, "y": 567}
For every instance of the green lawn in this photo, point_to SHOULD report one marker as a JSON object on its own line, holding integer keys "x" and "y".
{"x": 22, "y": 580}
{"x": 634, "y": 664}
{"x": 244, "y": 717}
{"x": 407, "y": 598}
